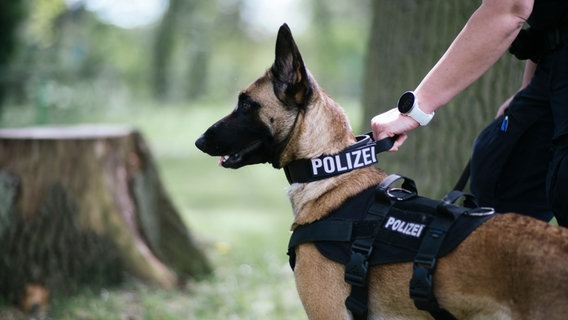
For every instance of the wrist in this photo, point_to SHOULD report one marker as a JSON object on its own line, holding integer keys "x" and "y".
{"x": 408, "y": 105}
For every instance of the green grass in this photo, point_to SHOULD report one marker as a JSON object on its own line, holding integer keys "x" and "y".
{"x": 242, "y": 217}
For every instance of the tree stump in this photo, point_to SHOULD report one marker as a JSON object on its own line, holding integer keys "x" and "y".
{"x": 83, "y": 205}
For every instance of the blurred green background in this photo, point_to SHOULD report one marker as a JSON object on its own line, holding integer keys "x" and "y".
{"x": 171, "y": 68}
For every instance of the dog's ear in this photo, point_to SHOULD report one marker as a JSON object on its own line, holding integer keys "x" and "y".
{"x": 290, "y": 79}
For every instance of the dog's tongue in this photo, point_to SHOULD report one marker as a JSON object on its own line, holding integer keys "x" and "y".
{"x": 221, "y": 159}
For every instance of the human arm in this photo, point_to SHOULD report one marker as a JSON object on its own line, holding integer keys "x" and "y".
{"x": 483, "y": 40}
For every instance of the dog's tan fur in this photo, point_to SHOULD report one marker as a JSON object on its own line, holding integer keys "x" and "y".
{"x": 511, "y": 267}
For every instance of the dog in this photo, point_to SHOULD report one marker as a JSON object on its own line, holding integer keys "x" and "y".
{"x": 510, "y": 267}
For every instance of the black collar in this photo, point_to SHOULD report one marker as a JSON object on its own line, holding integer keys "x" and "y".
{"x": 359, "y": 155}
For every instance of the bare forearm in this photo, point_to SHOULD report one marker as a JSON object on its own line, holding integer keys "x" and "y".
{"x": 484, "y": 39}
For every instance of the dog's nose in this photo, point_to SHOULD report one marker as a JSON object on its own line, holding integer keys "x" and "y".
{"x": 200, "y": 143}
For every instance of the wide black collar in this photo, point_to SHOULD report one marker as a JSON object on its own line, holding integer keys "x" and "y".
{"x": 359, "y": 155}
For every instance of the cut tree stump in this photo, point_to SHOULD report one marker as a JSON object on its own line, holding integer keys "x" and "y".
{"x": 84, "y": 204}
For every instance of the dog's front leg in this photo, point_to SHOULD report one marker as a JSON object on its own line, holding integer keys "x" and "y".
{"x": 320, "y": 284}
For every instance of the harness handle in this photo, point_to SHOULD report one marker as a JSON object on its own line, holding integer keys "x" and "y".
{"x": 469, "y": 201}
{"x": 384, "y": 144}
{"x": 407, "y": 190}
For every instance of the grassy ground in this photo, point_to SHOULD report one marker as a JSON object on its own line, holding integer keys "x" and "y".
{"x": 242, "y": 216}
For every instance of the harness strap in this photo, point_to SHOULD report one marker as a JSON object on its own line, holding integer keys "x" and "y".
{"x": 421, "y": 283}
{"x": 329, "y": 230}
{"x": 357, "y": 269}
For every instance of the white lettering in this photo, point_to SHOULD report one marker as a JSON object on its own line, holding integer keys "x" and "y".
{"x": 316, "y": 164}
{"x": 328, "y": 165}
{"x": 344, "y": 162}
{"x": 401, "y": 227}
{"x": 357, "y": 163}
{"x": 419, "y": 231}
{"x": 396, "y": 225}
{"x": 366, "y": 156}
{"x": 348, "y": 157}
{"x": 414, "y": 230}
{"x": 390, "y": 221}
{"x": 404, "y": 227}
{"x": 338, "y": 164}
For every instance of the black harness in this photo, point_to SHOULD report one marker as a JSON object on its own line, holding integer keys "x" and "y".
{"x": 398, "y": 225}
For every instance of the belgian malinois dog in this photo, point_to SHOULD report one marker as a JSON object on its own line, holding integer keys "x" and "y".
{"x": 510, "y": 267}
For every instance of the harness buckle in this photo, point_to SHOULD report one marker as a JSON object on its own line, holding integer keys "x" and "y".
{"x": 357, "y": 268}
{"x": 356, "y": 307}
{"x": 363, "y": 248}
{"x": 428, "y": 262}
{"x": 421, "y": 286}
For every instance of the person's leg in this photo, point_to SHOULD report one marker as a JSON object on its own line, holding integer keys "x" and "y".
{"x": 557, "y": 180}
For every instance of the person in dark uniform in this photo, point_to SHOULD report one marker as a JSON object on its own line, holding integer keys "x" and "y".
{"x": 496, "y": 26}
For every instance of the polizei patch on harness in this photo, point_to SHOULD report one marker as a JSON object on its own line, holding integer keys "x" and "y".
{"x": 404, "y": 227}
{"x": 343, "y": 162}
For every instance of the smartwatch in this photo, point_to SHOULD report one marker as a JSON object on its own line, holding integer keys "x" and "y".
{"x": 408, "y": 106}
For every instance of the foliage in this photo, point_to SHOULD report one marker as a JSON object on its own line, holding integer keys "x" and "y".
{"x": 11, "y": 14}
{"x": 70, "y": 62}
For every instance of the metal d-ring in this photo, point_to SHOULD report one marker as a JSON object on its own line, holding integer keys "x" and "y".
{"x": 481, "y": 212}
{"x": 406, "y": 193}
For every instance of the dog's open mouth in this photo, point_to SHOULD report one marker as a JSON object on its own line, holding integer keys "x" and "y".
{"x": 236, "y": 160}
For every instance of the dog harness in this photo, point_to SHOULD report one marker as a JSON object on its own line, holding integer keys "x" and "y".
{"x": 387, "y": 224}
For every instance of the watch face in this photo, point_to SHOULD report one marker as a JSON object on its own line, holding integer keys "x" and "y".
{"x": 406, "y": 102}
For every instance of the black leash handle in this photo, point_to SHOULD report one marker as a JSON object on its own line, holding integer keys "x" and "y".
{"x": 384, "y": 144}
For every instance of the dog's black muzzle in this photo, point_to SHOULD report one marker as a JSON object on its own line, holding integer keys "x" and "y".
{"x": 237, "y": 144}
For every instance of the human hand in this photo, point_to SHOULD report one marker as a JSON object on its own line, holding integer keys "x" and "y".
{"x": 392, "y": 123}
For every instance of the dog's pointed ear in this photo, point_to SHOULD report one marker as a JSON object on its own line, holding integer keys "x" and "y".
{"x": 290, "y": 79}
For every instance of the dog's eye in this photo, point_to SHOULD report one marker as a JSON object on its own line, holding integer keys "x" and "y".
{"x": 246, "y": 107}
{"x": 245, "y": 104}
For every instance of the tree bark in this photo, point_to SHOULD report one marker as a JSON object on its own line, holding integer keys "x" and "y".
{"x": 84, "y": 204}
{"x": 407, "y": 38}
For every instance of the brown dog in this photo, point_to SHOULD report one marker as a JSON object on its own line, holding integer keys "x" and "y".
{"x": 511, "y": 267}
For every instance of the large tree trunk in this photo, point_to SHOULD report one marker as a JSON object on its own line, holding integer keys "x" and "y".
{"x": 407, "y": 38}
{"x": 84, "y": 204}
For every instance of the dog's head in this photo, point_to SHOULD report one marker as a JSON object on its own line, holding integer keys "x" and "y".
{"x": 261, "y": 125}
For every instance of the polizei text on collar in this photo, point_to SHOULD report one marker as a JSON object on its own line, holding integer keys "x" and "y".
{"x": 344, "y": 161}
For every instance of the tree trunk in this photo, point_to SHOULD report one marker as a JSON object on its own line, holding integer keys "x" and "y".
{"x": 407, "y": 38}
{"x": 84, "y": 205}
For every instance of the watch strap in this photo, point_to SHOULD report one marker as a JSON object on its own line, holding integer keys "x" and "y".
{"x": 420, "y": 116}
